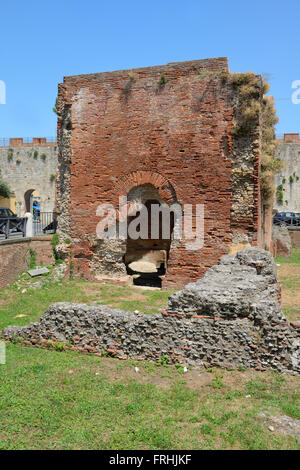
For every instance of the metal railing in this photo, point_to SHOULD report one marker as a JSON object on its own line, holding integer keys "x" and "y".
{"x": 44, "y": 222}
{"x": 12, "y": 228}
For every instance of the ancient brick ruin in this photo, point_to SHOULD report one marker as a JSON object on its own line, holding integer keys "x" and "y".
{"x": 166, "y": 134}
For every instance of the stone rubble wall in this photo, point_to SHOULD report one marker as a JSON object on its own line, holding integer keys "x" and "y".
{"x": 192, "y": 341}
{"x": 205, "y": 324}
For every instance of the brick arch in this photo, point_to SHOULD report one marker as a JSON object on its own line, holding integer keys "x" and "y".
{"x": 165, "y": 189}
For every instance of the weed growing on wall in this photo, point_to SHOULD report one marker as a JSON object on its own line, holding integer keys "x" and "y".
{"x": 10, "y": 155}
{"x": 270, "y": 165}
{"x": 32, "y": 260}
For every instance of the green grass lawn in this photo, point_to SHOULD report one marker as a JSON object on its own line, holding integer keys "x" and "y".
{"x": 69, "y": 400}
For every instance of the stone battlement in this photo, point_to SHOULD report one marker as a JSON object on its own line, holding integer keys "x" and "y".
{"x": 19, "y": 142}
{"x": 290, "y": 137}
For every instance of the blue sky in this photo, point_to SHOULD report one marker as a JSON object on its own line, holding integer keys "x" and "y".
{"x": 43, "y": 41}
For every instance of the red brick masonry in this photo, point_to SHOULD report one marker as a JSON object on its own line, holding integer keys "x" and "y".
{"x": 15, "y": 256}
{"x": 168, "y": 125}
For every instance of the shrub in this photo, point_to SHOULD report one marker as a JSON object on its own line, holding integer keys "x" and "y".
{"x": 10, "y": 155}
{"x": 162, "y": 81}
{"x": 52, "y": 177}
{"x": 131, "y": 75}
{"x": 4, "y": 190}
{"x": 71, "y": 271}
{"x": 43, "y": 156}
{"x": 35, "y": 154}
{"x": 54, "y": 243}
{"x": 279, "y": 196}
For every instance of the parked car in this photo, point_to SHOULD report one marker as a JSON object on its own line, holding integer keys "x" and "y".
{"x": 7, "y": 213}
{"x": 288, "y": 219}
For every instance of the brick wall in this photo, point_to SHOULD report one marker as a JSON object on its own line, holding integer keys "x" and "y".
{"x": 15, "y": 256}
{"x": 118, "y": 130}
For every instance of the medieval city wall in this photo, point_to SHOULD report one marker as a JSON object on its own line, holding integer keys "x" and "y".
{"x": 26, "y": 167}
{"x": 287, "y": 182}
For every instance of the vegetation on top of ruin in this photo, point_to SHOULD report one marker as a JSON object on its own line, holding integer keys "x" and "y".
{"x": 248, "y": 105}
{"x": 270, "y": 165}
{"x": 131, "y": 75}
{"x": 252, "y": 105}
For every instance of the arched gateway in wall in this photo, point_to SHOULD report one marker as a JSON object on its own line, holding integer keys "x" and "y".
{"x": 150, "y": 225}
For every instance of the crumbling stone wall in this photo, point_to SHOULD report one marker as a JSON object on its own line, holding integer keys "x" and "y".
{"x": 170, "y": 126}
{"x": 229, "y": 318}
